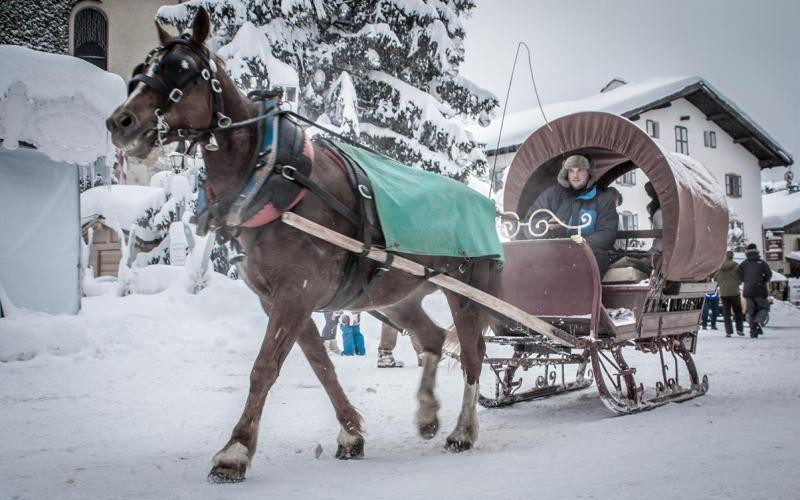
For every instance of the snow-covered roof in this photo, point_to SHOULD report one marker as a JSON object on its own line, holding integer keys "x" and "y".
{"x": 123, "y": 205}
{"x": 781, "y": 208}
{"x": 630, "y": 100}
{"x": 795, "y": 255}
{"x": 57, "y": 103}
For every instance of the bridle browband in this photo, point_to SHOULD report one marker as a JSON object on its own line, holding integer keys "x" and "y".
{"x": 175, "y": 73}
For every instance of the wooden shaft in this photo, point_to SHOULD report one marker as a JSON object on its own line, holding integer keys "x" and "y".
{"x": 508, "y": 310}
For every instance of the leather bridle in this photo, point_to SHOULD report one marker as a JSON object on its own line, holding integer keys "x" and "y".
{"x": 172, "y": 74}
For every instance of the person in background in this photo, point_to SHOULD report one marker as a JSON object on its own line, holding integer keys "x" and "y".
{"x": 619, "y": 245}
{"x": 386, "y": 348}
{"x": 755, "y": 274}
{"x": 711, "y": 306}
{"x": 329, "y": 331}
{"x": 654, "y": 213}
{"x": 728, "y": 280}
{"x": 352, "y": 338}
{"x": 574, "y": 198}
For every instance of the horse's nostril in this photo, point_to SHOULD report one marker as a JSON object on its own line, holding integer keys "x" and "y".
{"x": 126, "y": 120}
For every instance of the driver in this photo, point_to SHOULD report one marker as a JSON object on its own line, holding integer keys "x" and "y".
{"x": 574, "y": 196}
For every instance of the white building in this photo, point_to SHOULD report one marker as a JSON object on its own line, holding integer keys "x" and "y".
{"x": 52, "y": 119}
{"x": 686, "y": 115}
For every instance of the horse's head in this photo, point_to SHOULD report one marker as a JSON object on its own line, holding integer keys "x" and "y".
{"x": 174, "y": 92}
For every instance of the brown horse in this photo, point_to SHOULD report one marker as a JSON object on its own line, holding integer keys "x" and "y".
{"x": 293, "y": 273}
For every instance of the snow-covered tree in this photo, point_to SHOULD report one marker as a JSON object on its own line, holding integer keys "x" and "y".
{"x": 384, "y": 72}
{"x": 36, "y": 24}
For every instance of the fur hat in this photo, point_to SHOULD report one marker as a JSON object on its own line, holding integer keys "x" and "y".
{"x": 574, "y": 161}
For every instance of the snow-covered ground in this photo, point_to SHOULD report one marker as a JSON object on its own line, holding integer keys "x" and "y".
{"x": 132, "y": 397}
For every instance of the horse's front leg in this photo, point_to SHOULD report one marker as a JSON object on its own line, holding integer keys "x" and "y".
{"x": 230, "y": 463}
{"x": 350, "y": 440}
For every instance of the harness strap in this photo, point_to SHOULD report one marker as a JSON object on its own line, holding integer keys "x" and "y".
{"x": 324, "y": 195}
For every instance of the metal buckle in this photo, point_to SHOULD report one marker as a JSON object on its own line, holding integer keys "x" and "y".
{"x": 216, "y": 86}
{"x": 205, "y": 74}
{"x": 175, "y": 95}
{"x": 223, "y": 121}
{"x": 212, "y": 65}
{"x": 364, "y": 192}
{"x": 285, "y": 174}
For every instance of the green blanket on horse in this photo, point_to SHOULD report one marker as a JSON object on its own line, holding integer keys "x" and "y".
{"x": 428, "y": 214}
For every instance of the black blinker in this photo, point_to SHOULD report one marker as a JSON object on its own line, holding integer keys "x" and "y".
{"x": 179, "y": 69}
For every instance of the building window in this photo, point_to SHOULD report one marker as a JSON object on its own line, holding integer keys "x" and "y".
{"x": 681, "y": 140}
{"x": 630, "y": 221}
{"x": 290, "y": 94}
{"x": 627, "y": 179}
{"x": 733, "y": 185}
{"x": 652, "y": 128}
{"x": 710, "y": 139}
{"x": 91, "y": 37}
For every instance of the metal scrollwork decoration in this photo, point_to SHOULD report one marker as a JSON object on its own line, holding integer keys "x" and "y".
{"x": 509, "y": 223}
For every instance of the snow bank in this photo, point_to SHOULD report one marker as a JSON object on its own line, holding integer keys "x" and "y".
{"x": 101, "y": 326}
{"x": 780, "y": 209}
{"x": 57, "y": 103}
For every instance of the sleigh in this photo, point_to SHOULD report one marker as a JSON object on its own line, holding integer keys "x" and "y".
{"x": 654, "y": 314}
{"x": 555, "y": 316}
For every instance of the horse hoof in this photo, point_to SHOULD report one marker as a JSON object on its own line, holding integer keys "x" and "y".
{"x": 428, "y": 431}
{"x": 226, "y": 474}
{"x": 352, "y": 451}
{"x": 457, "y": 445}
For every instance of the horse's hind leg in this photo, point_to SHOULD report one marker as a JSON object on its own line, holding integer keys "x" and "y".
{"x": 350, "y": 440}
{"x": 469, "y": 322}
{"x": 410, "y": 315}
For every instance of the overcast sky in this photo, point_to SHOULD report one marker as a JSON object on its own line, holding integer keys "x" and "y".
{"x": 748, "y": 49}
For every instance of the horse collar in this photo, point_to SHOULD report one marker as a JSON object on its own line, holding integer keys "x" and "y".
{"x": 269, "y": 186}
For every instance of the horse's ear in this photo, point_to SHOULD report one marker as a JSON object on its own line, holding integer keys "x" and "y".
{"x": 163, "y": 36}
{"x": 201, "y": 26}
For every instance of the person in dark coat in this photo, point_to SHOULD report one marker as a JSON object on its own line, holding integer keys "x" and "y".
{"x": 329, "y": 331}
{"x": 574, "y": 197}
{"x": 755, "y": 274}
{"x": 728, "y": 280}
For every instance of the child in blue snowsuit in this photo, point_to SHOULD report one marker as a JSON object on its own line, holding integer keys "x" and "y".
{"x": 711, "y": 305}
{"x": 352, "y": 339}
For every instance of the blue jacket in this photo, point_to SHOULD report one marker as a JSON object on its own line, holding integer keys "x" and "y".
{"x": 569, "y": 205}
